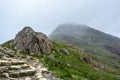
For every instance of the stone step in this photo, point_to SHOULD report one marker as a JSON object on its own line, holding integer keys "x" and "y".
{"x": 20, "y": 78}
{"x": 18, "y": 67}
{"x": 21, "y": 73}
{"x": 9, "y": 59}
{"x": 23, "y": 78}
{"x": 8, "y": 63}
{"x": 13, "y": 67}
{"x": 2, "y": 76}
{"x": 4, "y": 69}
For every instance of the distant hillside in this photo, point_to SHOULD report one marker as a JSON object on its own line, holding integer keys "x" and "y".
{"x": 84, "y": 35}
{"x": 98, "y": 43}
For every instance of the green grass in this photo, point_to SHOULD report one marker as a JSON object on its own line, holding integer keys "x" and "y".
{"x": 71, "y": 67}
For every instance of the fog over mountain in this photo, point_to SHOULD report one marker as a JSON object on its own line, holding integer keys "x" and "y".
{"x": 94, "y": 41}
{"x": 45, "y": 16}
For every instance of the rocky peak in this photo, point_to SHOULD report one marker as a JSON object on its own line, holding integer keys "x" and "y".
{"x": 28, "y": 30}
{"x": 31, "y": 41}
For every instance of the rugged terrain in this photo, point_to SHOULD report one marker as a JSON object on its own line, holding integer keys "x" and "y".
{"x": 31, "y": 56}
{"x": 15, "y": 65}
{"x": 16, "y": 62}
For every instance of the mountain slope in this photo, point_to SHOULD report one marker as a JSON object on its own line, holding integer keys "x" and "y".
{"x": 68, "y": 63}
{"x": 83, "y": 34}
{"x": 103, "y": 46}
{"x": 77, "y": 65}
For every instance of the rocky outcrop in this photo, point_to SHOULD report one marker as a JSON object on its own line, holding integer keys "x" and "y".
{"x": 65, "y": 51}
{"x": 31, "y": 41}
{"x": 87, "y": 59}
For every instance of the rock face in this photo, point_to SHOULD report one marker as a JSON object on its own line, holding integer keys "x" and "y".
{"x": 31, "y": 41}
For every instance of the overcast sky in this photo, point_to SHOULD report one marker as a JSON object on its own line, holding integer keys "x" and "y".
{"x": 45, "y": 15}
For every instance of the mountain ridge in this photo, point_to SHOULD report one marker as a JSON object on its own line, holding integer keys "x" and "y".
{"x": 102, "y": 46}
{"x": 83, "y": 28}
{"x": 88, "y": 36}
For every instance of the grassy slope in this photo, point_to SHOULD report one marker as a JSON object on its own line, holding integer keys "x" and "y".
{"x": 105, "y": 47}
{"x": 95, "y": 48}
{"x": 72, "y": 67}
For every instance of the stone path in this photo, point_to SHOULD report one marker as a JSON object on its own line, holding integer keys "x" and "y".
{"x": 22, "y": 67}
{"x": 13, "y": 69}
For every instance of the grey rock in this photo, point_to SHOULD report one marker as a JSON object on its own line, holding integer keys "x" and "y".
{"x": 28, "y": 78}
{"x": 6, "y": 74}
{"x": 43, "y": 79}
{"x": 48, "y": 74}
{"x": 65, "y": 51}
{"x": 51, "y": 56}
{"x": 1, "y": 48}
{"x": 31, "y": 41}
{"x": 87, "y": 59}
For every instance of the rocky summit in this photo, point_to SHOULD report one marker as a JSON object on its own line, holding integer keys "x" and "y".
{"x": 33, "y": 42}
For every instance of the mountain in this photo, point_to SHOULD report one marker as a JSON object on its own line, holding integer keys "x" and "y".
{"x": 99, "y": 44}
{"x": 61, "y": 61}
{"x": 82, "y": 35}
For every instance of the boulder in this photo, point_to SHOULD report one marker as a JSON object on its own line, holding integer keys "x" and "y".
{"x": 1, "y": 48}
{"x": 65, "y": 51}
{"x": 51, "y": 56}
{"x": 87, "y": 59}
{"x": 33, "y": 42}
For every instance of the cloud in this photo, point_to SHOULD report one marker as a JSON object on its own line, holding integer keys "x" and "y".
{"x": 46, "y": 15}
